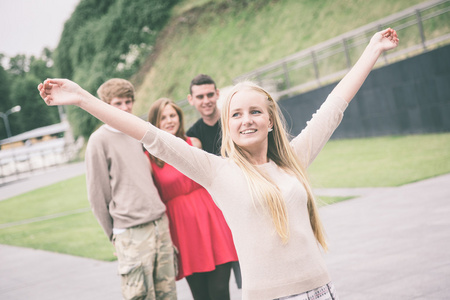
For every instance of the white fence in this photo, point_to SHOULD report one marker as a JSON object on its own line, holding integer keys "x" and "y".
{"x": 22, "y": 161}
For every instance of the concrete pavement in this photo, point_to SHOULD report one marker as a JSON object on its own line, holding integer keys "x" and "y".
{"x": 391, "y": 243}
{"x": 41, "y": 275}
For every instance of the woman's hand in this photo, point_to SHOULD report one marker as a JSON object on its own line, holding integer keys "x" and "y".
{"x": 66, "y": 92}
{"x": 386, "y": 39}
{"x": 349, "y": 85}
{"x": 60, "y": 92}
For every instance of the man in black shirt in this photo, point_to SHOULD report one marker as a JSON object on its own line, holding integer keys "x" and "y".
{"x": 203, "y": 96}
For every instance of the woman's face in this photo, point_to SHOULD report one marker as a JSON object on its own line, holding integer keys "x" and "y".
{"x": 249, "y": 121}
{"x": 170, "y": 122}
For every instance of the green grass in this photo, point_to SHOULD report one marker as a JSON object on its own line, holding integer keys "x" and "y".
{"x": 372, "y": 162}
{"x": 381, "y": 161}
{"x": 226, "y": 42}
{"x": 325, "y": 200}
{"x": 50, "y": 200}
{"x": 77, "y": 233}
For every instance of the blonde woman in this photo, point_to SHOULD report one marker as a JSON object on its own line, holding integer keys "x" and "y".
{"x": 260, "y": 184}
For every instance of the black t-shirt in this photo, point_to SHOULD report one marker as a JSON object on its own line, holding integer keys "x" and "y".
{"x": 210, "y": 136}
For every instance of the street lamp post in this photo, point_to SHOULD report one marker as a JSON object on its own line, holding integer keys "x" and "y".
{"x": 5, "y": 118}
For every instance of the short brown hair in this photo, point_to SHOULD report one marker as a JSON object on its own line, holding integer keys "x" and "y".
{"x": 115, "y": 87}
{"x": 201, "y": 79}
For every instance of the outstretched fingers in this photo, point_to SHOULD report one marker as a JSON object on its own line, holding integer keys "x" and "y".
{"x": 54, "y": 81}
{"x": 60, "y": 92}
{"x": 45, "y": 92}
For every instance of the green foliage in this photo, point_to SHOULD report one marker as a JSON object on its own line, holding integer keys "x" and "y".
{"x": 39, "y": 68}
{"x": 5, "y": 102}
{"x": 224, "y": 39}
{"x": 34, "y": 112}
{"x": 18, "y": 87}
{"x": 82, "y": 123}
{"x": 105, "y": 39}
{"x": 18, "y": 65}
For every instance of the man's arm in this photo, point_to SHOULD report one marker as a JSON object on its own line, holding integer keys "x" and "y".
{"x": 196, "y": 142}
{"x": 98, "y": 185}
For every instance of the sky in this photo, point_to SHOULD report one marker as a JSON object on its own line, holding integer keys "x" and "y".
{"x": 28, "y": 26}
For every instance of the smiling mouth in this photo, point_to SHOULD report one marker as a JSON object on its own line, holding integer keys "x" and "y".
{"x": 248, "y": 131}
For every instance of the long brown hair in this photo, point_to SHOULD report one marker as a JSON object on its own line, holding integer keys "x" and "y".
{"x": 262, "y": 187}
{"x": 154, "y": 117}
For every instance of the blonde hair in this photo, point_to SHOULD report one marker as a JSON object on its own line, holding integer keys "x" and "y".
{"x": 263, "y": 190}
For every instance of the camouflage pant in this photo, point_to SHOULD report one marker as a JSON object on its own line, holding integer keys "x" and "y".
{"x": 146, "y": 261}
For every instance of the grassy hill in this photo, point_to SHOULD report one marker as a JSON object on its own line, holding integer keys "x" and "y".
{"x": 226, "y": 38}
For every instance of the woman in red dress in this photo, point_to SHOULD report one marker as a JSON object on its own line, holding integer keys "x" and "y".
{"x": 197, "y": 225}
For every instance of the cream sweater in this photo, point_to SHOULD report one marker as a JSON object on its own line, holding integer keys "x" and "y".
{"x": 269, "y": 268}
{"x": 119, "y": 182}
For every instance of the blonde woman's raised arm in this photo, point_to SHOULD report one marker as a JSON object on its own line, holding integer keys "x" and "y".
{"x": 382, "y": 41}
{"x": 66, "y": 92}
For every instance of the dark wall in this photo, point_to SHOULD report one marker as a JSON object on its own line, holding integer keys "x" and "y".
{"x": 407, "y": 97}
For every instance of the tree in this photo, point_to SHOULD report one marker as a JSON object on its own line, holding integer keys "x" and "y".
{"x": 18, "y": 65}
{"x": 34, "y": 112}
{"x": 105, "y": 39}
{"x": 18, "y": 87}
{"x": 5, "y": 102}
{"x": 47, "y": 56}
{"x": 39, "y": 68}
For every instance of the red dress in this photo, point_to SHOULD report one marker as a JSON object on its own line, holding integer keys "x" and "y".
{"x": 197, "y": 225}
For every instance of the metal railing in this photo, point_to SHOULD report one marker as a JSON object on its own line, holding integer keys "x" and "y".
{"x": 21, "y": 162}
{"x": 421, "y": 28}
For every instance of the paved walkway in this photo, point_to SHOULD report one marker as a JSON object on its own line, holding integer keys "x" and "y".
{"x": 391, "y": 243}
{"x": 19, "y": 184}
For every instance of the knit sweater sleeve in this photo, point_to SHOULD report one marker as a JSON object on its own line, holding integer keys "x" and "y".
{"x": 308, "y": 144}
{"x": 195, "y": 163}
{"x": 98, "y": 183}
